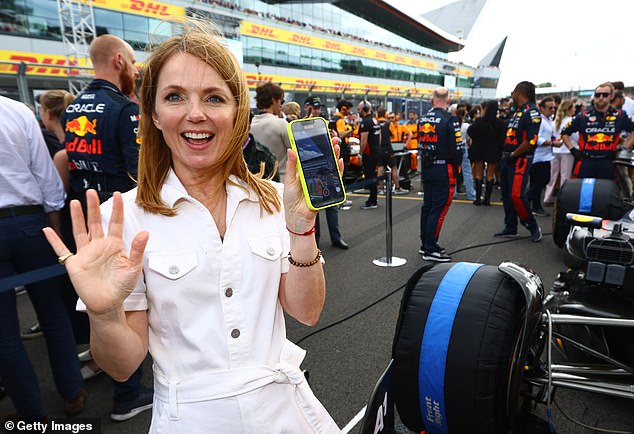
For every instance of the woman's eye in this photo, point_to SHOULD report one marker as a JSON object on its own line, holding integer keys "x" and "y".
{"x": 172, "y": 97}
{"x": 215, "y": 99}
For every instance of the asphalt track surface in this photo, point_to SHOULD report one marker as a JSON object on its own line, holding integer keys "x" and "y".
{"x": 345, "y": 361}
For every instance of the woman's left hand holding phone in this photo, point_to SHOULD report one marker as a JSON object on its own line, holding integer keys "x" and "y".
{"x": 299, "y": 218}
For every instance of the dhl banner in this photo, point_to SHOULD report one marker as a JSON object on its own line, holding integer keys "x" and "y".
{"x": 58, "y": 68}
{"x": 57, "y": 62}
{"x": 276, "y": 34}
{"x": 332, "y": 86}
{"x": 146, "y": 8}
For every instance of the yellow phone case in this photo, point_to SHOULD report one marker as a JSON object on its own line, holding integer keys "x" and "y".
{"x": 302, "y": 178}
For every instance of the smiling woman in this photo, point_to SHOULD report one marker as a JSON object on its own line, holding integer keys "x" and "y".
{"x": 207, "y": 291}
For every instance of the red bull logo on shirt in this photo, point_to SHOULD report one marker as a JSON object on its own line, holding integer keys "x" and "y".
{"x": 427, "y": 128}
{"x": 81, "y": 126}
{"x": 600, "y": 138}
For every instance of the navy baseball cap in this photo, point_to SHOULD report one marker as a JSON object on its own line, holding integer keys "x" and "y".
{"x": 313, "y": 101}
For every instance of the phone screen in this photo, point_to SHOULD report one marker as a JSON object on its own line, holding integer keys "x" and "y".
{"x": 318, "y": 163}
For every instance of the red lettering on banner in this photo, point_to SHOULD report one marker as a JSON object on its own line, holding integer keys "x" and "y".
{"x": 333, "y": 45}
{"x": 305, "y": 83}
{"x": 261, "y": 31}
{"x": 344, "y": 85}
{"x": 41, "y": 69}
{"x": 399, "y": 59}
{"x": 148, "y": 7}
{"x": 380, "y": 55}
{"x": 358, "y": 50}
{"x": 301, "y": 39}
{"x": 416, "y": 62}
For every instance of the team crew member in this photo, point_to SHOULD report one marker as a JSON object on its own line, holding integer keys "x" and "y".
{"x": 412, "y": 139}
{"x": 101, "y": 124}
{"x": 103, "y": 151}
{"x": 369, "y": 132}
{"x": 385, "y": 151}
{"x": 599, "y": 134}
{"x": 517, "y": 156}
{"x": 344, "y": 131}
{"x": 439, "y": 136}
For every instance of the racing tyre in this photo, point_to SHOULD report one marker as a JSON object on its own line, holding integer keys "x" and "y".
{"x": 456, "y": 339}
{"x": 596, "y": 197}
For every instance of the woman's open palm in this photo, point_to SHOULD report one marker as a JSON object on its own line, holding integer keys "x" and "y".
{"x": 101, "y": 271}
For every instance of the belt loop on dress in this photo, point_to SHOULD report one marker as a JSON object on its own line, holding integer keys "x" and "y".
{"x": 172, "y": 401}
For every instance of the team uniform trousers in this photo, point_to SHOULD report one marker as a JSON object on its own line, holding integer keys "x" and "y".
{"x": 23, "y": 248}
{"x": 217, "y": 336}
{"x": 439, "y": 183}
{"x": 514, "y": 177}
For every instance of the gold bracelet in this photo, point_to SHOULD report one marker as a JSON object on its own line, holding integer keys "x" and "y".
{"x": 304, "y": 264}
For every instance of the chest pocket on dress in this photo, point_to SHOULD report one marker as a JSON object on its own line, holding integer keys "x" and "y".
{"x": 267, "y": 246}
{"x": 172, "y": 265}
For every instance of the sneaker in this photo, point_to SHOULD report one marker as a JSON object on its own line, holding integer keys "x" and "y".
{"x": 400, "y": 191}
{"x": 506, "y": 233}
{"x": 369, "y": 206}
{"x": 441, "y": 249}
{"x": 436, "y": 257}
{"x": 85, "y": 356}
{"x": 540, "y": 213}
{"x": 122, "y": 411}
{"x": 536, "y": 234}
{"x": 32, "y": 332}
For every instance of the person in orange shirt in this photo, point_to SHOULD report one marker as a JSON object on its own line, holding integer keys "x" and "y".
{"x": 412, "y": 141}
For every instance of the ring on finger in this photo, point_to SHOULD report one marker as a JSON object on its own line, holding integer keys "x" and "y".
{"x": 62, "y": 259}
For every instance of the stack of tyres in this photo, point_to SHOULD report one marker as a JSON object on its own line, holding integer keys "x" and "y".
{"x": 456, "y": 336}
{"x": 589, "y": 196}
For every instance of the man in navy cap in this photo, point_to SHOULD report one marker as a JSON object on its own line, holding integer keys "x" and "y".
{"x": 312, "y": 107}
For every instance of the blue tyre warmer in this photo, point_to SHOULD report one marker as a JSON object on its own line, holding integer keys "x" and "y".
{"x": 590, "y": 196}
{"x": 452, "y": 349}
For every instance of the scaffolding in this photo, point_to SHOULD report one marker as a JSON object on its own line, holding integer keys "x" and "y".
{"x": 77, "y": 26}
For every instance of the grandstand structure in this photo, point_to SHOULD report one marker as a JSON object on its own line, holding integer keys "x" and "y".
{"x": 330, "y": 48}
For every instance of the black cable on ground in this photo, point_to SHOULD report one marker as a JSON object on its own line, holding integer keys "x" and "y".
{"x": 573, "y": 420}
{"x": 394, "y": 291}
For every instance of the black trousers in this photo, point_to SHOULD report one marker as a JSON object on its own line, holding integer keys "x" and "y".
{"x": 369, "y": 172}
{"x": 539, "y": 178}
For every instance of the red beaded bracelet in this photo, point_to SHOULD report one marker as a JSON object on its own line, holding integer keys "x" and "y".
{"x": 308, "y": 232}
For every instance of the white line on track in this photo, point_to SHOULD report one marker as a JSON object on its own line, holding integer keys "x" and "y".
{"x": 355, "y": 420}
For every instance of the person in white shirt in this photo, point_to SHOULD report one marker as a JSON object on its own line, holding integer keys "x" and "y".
{"x": 540, "y": 169}
{"x": 268, "y": 127}
{"x": 563, "y": 161}
{"x": 206, "y": 261}
{"x": 31, "y": 196}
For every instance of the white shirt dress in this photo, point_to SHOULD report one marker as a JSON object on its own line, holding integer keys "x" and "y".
{"x": 222, "y": 363}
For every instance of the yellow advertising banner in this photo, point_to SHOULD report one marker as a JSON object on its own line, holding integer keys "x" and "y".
{"x": 57, "y": 62}
{"x": 333, "y": 86}
{"x": 146, "y": 8}
{"x": 281, "y": 35}
{"x": 58, "y": 68}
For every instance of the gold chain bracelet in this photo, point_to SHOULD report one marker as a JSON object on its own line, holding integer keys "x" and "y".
{"x": 304, "y": 264}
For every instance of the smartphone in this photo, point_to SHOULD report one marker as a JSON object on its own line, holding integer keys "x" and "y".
{"x": 317, "y": 163}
